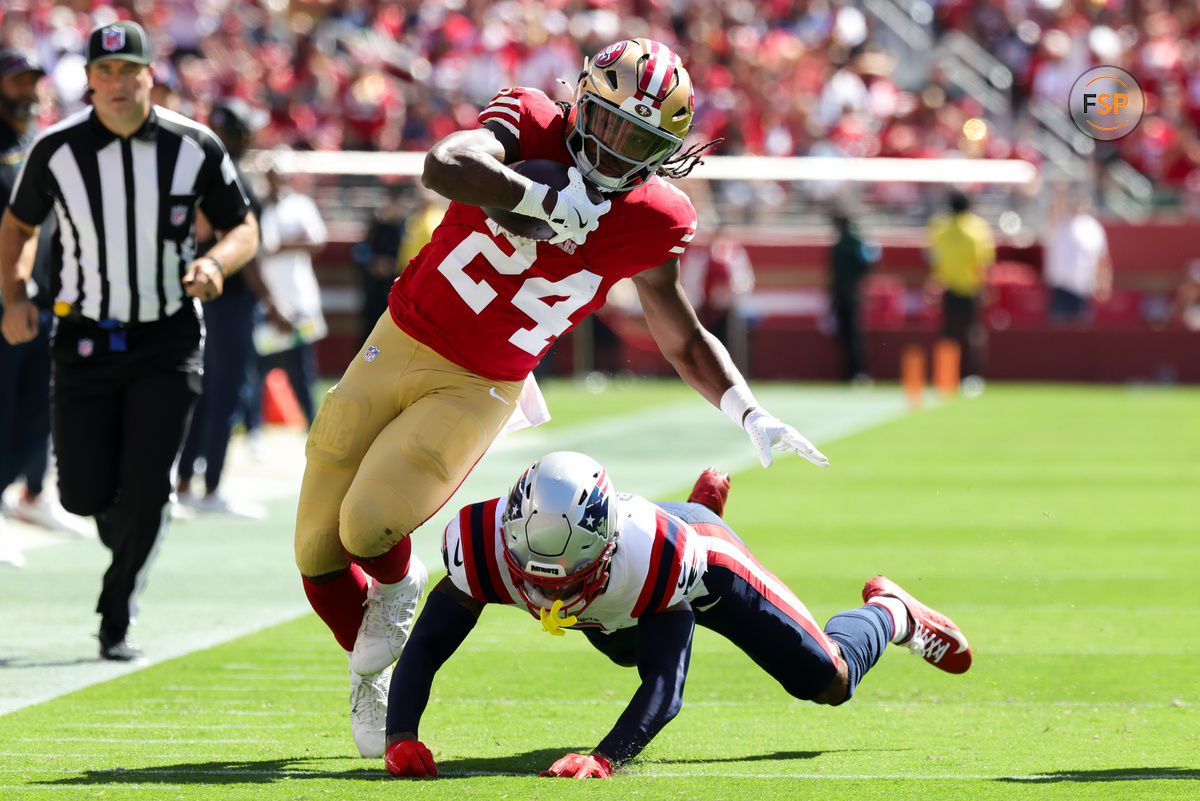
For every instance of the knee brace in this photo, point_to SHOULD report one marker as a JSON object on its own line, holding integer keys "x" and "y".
{"x": 374, "y": 517}
{"x": 338, "y": 434}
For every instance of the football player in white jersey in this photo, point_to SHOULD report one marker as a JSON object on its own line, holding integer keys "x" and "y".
{"x": 636, "y": 577}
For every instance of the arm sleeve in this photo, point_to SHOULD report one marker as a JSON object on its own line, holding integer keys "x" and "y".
{"x": 440, "y": 629}
{"x": 664, "y": 650}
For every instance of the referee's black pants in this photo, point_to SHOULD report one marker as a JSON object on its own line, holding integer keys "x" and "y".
{"x": 120, "y": 408}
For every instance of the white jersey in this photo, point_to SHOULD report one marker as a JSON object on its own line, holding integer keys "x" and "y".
{"x": 658, "y": 562}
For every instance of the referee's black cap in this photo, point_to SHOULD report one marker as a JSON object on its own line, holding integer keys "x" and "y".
{"x": 124, "y": 40}
{"x": 14, "y": 62}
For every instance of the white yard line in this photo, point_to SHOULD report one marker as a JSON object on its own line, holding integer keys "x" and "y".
{"x": 277, "y": 775}
{"x": 216, "y": 580}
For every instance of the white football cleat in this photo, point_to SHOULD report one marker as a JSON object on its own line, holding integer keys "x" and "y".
{"x": 391, "y": 610}
{"x": 10, "y": 554}
{"x": 216, "y": 503}
{"x": 368, "y": 711}
{"x": 38, "y": 510}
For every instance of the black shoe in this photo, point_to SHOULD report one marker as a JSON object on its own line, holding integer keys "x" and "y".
{"x": 121, "y": 650}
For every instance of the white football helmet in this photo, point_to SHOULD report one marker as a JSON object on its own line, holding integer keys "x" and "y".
{"x": 560, "y": 531}
{"x": 633, "y": 109}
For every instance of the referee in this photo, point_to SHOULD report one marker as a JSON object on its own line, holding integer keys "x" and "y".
{"x": 124, "y": 179}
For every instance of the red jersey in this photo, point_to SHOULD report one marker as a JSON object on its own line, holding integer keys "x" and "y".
{"x": 494, "y": 304}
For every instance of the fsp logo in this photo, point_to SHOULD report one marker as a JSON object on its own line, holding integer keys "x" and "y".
{"x": 1106, "y": 103}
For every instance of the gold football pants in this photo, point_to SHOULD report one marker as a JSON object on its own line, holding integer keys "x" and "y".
{"x": 391, "y": 443}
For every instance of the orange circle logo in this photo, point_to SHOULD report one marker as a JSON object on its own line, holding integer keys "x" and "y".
{"x": 1106, "y": 103}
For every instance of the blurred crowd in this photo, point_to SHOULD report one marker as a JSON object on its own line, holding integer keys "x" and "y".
{"x": 777, "y": 77}
{"x": 1049, "y": 43}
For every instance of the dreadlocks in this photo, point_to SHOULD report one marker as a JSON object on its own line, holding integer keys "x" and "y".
{"x": 679, "y": 165}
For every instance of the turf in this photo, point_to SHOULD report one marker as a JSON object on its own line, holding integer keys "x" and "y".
{"x": 1057, "y": 525}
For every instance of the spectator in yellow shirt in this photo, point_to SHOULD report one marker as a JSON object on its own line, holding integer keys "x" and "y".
{"x": 419, "y": 229}
{"x": 961, "y": 250}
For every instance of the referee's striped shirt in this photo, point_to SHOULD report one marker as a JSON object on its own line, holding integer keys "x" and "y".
{"x": 126, "y": 209}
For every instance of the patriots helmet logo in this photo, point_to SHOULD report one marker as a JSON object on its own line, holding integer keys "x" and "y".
{"x": 512, "y": 510}
{"x": 595, "y": 512}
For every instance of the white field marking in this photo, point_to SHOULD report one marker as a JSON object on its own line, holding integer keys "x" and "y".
{"x": 779, "y": 703}
{"x": 321, "y": 677}
{"x": 1148, "y": 775}
{"x": 54, "y": 653}
{"x": 931, "y": 703}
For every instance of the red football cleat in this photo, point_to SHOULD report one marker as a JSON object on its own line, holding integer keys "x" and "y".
{"x": 712, "y": 490}
{"x": 933, "y": 635}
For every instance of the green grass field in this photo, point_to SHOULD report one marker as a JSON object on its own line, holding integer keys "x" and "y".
{"x": 1057, "y": 525}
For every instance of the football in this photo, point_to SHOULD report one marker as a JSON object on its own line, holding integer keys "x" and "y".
{"x": 554, "y": 175}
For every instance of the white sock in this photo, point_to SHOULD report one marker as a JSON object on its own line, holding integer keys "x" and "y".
{"x": 390, "y": 590}
{"x": 898, "y": 612}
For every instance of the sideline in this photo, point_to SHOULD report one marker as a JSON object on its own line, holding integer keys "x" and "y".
{"x": 219, "y": 578}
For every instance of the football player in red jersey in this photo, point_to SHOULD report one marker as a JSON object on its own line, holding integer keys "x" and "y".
{"x": 636, "y": 577}
{"x": 475, "y": 311}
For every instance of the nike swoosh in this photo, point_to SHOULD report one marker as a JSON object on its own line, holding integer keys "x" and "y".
{"x": 496, "y": 395}
{"x": 706, "y": 607}
{"x": 458, "y": 554}
{"x": 953, "y": 635}
{"x": 579, "y": 217}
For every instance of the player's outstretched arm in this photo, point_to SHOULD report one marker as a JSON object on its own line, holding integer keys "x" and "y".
{"x": 447, "y": 619}
{"x": 664, "y": 646}
{"x": 702, "y": 361}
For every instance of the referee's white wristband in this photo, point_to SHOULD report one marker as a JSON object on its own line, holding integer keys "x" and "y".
{"x": 531, "y": 202}
{"x": 736, "y": 401}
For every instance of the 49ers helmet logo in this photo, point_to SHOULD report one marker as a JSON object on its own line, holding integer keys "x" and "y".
{"x": 609, "y": 54}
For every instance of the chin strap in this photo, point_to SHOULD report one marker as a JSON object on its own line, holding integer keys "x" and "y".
{"x": 553, "y": 621}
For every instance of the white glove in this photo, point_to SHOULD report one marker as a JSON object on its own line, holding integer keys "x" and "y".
{"x": 575, "y": 215}
{"x": 768, "y": 432}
